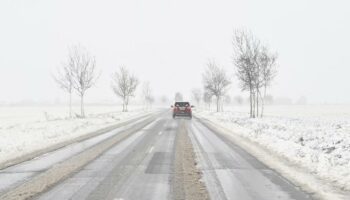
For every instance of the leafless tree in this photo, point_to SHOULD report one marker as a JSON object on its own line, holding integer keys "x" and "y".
{"x": 64, "y": 79}
{"x": 207, "y": 97}
{"x": 267, "y": 62}
{"x": 255, "y": 67}
{"x": 216, "y": 81}
{"x": 124, "y": 85}
{"x": 197, "y": 95}
{"x": 246, "y": 52}
{"x": 83, "y": 69}
{"x": 147, "y": 94}
{"x": 178, "y": 96}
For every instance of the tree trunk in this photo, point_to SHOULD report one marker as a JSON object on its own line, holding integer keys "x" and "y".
{"x": 263, "y": 102}
{"x": 126, "y": 104}
{"x": 217, "y": 104}
{"x": 257, "y": 102}
{"x": 82, "y": 113}
{"x": 251, "y": 103}
{"x": 70, "y": 105}
{"x": 124, "y": 99}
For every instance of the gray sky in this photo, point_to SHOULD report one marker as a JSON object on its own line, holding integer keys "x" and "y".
{"x": 169, "y": 42}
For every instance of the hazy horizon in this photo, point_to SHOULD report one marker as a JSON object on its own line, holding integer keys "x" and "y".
{"x": 169, "y": 42}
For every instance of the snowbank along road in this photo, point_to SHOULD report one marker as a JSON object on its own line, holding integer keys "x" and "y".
{"x": 155, "y": 158}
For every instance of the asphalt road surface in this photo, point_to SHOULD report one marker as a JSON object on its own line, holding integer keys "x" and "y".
{"x": 174, "y": 159}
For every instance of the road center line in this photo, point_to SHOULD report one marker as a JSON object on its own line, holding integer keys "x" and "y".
{"x": 160, "y": 133}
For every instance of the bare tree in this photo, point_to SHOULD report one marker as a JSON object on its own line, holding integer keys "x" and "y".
{"x": 147, "y": 94}
{"x": 83, "y": 69}
{"x": 151, "y": 100}
{"x": 197, "y": 95}
{"x": 268, "y": 69}
{"x": 64, "y": 79}
{"x": 124, "y": 85}
{"x": 216, "y": 81}
{"x": 178, "y": 96}
{"x": 255, "y": 68}
{"x": 207, "y": 97}
{"x": 246, "y": 52}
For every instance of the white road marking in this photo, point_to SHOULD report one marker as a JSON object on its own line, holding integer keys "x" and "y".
{"x": 150, "y": 151}
{"x": 160, "y": 133}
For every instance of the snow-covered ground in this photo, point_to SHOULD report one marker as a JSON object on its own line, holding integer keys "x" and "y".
{"x": 316, "y": 138}
{"x": 27, "y": 129}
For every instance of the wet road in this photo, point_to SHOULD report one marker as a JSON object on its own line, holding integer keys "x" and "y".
{"x": 231, "y": 173}
{"x": 142, "y": 167}
{"x": 137, "y": 168}
{"x": 17, "y": 174}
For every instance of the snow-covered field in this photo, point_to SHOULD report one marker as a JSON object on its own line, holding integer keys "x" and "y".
{"x": 27, "y": 129}
{"x": 316, "y": 138}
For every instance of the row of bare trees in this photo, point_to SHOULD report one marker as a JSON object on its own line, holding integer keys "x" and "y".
{"x": 79, "y": 74}
{"x": 124, "y": 85}
{"x": 216, "y": 82}
{"x": 255, "y": 67}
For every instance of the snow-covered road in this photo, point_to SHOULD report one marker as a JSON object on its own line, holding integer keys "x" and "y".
{"x": 161, "y": 158}
{"x": 231, "y": 173}
{"x": 25, "y": 137}
{"x": 17, "y": 174}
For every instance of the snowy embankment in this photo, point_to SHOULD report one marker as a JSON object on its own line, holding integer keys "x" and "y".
{"x": 320, "y": 144}
{"x": 24, "y": 130}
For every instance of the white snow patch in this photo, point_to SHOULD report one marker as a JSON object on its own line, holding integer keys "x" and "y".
{"x": 318, "y": 142}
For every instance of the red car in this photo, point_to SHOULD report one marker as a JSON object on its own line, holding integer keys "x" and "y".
{"x": 182, "y": 109}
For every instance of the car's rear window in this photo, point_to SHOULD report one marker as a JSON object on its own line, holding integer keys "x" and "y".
{"x": 182, "y": 104}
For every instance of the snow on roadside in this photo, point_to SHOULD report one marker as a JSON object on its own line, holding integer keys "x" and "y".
{"x": 320, "y": 145}
{"x": 21, "y": 137}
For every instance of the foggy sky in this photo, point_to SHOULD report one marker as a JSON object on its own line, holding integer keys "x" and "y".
{"x": 169, "y": 42}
